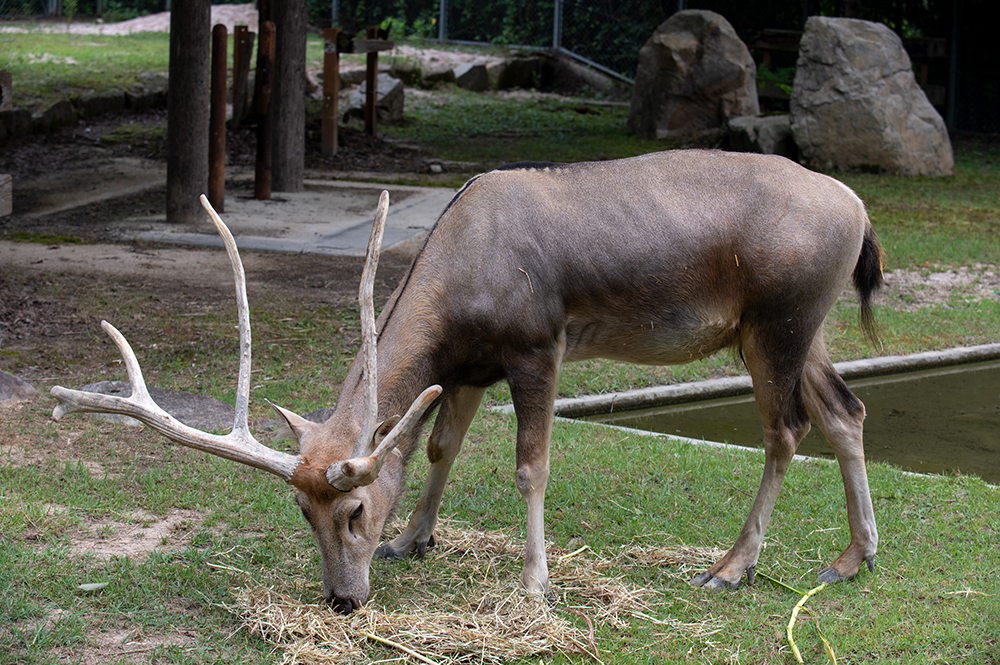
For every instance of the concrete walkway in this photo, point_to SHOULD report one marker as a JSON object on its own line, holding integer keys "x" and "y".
{"x": 329, "y": 217}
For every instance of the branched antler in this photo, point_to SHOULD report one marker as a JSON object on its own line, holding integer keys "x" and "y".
{"x": 239, "y": 445}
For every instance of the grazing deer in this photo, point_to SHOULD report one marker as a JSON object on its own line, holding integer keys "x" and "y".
{"x": 659, "y": 259}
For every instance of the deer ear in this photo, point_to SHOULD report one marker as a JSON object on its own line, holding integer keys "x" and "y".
{"x": 293, "y": 425}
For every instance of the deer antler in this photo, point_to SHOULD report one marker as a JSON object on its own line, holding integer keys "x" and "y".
{"x": 359, "y": 471}
{"x": 239, "y": 445}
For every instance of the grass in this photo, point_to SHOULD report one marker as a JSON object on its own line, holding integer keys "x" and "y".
{"x": 934, "y": 596}
{"x": 50, "y": 67}
{"x": 494, "y": 129}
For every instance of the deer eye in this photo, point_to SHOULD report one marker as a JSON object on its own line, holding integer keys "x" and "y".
{"x": 357, "y": 511}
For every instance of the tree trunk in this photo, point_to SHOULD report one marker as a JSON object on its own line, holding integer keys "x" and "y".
{"x": 289, "y": 96}
{"x": 187, "y": 110}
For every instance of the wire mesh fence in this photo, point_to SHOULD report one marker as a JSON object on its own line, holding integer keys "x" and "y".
{"x": 609, "y": 33}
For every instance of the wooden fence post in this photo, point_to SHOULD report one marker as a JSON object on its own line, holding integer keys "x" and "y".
{"x": 331, "y": 89}
{"x": 265, "y": 118}
{"x": 242, "y": 51}
{"x": 217, "y": 121}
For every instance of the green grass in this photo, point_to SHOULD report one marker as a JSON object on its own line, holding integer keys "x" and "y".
{"x": 933, "y": 598}
{"x": 952, "y": 220}
{"x": 491, "y": 129}
{"x": 51, "y": 67}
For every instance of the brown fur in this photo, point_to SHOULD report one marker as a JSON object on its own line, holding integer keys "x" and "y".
{"x": 658, "y": 259}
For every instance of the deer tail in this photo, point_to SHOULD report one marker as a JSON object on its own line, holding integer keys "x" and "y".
{"x": 868, "y": 279}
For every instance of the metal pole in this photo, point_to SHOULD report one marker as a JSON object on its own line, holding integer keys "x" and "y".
{"x": 443, "y": 20}
{"x": 217, "y": 122}
{"x": 557, "y": 24}
{"x": 334, "y": 13}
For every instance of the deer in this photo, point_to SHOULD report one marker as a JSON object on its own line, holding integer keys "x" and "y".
{"x": 658, "y": 259}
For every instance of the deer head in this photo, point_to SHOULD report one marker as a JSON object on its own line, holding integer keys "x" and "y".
{"x": 340, "y": 490}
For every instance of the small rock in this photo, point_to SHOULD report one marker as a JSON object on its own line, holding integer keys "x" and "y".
{"x": 15, "y": 391}
{"x": 198, "y": 411}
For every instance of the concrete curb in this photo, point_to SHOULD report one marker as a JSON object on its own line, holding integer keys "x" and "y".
{"x": 741, "y": 385}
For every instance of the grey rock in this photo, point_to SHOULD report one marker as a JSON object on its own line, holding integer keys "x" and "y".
{"x": 388, "y": 103}
{"x": 564, "y": 74}
{"x": 494, "y": 71}
{"x": 99, "y": 103}
{"x": 856, "y": 104}
{"x": 436, "y": 72}
{"x": 15, "y": 391}
{"x": 521, "y": 72}
{"x": 61, "y": 114}
{"x": 694, "y": 74}
{"x": 407, "y": 71}
{"x": 198, "y": 411}
{"x": 472, "y": 76}
{"x": 770, "y": 135}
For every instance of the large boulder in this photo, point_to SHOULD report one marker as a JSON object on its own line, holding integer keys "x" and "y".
{"x": 855, "y": 103}
{"x": 388, "y": 100}
{"x": 769, "y": 134}
{"x": 694, "y": 74}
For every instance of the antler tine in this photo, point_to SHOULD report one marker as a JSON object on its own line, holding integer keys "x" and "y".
{"x": 242, "y": 406}
{"x": 239, "y": 445}
{"x": 359, "y": 471}
{"x": 369, "y": 343}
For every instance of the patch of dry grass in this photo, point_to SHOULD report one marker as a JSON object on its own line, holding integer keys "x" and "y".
{"x": 486, "y": 617}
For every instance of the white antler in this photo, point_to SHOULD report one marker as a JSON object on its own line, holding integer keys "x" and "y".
{"x": 239, "y": 445}
{"x": 359, "y": 471}
{"x": 369, "y": 341}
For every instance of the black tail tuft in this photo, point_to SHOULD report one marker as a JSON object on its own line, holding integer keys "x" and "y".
{"x": 868, "y": 279}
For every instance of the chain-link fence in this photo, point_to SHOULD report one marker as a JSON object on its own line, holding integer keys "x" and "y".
{"x": 609, "y": 33}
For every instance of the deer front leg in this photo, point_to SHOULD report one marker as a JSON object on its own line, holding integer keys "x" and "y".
{"x": 453, "y": 420}
{"x": 742, "y": 556}
{"x": 532, "y": 379}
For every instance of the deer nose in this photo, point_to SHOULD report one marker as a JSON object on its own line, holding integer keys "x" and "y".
{"x": 343, "y": 605}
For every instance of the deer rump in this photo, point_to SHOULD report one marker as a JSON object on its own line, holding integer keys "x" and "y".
{"x": 658, "y": 259}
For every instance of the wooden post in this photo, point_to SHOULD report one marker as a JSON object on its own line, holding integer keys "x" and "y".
{"x": 371, "y": 81}
{"x": 242, "y": 50}
{"x": 188, "y": 110}
{"x": 217, "y": 121}
{"x": 331, "y": 88}
{"x": 265, "y": 119}
{"x": 288, "y": 98}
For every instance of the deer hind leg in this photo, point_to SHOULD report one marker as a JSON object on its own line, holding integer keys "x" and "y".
{"x": 532, "y": 379}
{"x": 777, "y": 385}
{"x": 840, "y": 415}
{"x": 445, "y": 441}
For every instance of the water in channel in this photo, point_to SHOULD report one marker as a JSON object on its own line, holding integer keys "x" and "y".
{"x": 943, "y": 420}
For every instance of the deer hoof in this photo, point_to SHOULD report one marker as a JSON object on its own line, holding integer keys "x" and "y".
{"x": 387, "y": 551}
{"x": 422, "y": 547}
{"x": 831, "y": 575}
{"x": 708, "y": 581}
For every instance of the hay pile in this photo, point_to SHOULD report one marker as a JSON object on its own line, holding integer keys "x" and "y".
{"x": 485, "y": 616}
